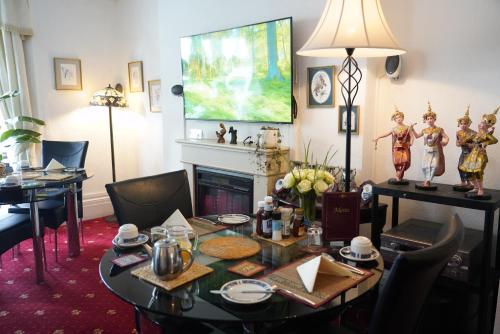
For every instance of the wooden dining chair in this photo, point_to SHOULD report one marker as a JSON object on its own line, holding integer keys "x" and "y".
{"x": 149, "y": 201}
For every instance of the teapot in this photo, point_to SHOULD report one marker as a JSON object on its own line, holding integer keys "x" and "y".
{"x": 167, "y": 261}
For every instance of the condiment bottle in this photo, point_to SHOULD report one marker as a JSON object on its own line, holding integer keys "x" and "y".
{"x": 277, "y": 225}
{"x": 286, "y": 216}
{"x": 267, "y": 220}
{"x": 258, "y": 216}
{"x": 298, "y": 229}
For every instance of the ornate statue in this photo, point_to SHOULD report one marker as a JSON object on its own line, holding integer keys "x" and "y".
{"x": 475, "y": 162}
{"x": 464, "y": 135}
{"x": 433, "y": 159}
{"x": 220, "y": 134}
{"x": 402, "y": 139}
{"x": 233, "y": 133}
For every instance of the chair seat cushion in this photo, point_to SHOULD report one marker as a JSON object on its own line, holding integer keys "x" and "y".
{"x": 14, "y": 229}
{"x": 52, "y": 212}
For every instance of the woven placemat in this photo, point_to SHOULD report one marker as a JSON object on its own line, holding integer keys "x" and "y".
{"x": 284, "y": 242}
{"x": 196, "y": 271}
{"x": 230, "y": 248}
{"x": 203, "y": 227}
{"x": 326, "y": 287}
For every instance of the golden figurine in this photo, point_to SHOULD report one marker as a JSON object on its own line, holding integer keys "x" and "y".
{"x": 434, "y": 140}
{"x": 402, "y": 139}
{"x": 220, "y": 134}
{"x": 463, "y": 136}
{"x": 475, "y": 162}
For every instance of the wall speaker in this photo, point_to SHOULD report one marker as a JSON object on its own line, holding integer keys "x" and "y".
{"x": 177, "y": 90}
{"x": 393, "y": 67}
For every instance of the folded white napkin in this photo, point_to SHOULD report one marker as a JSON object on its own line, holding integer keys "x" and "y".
{"x": 54, "y": 164}
{"x": 177, "y": 218}
{"x": 309, "y": 270}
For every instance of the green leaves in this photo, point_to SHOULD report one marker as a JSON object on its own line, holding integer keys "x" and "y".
{"x": 17, "y": 119}
{"x": 20, "y": 136}
{"x": 8, "y": 95}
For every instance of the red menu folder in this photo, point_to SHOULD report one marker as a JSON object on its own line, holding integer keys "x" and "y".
{"x": 340, "y": 216}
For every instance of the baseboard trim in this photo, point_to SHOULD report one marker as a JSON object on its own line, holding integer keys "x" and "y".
{"x": 96, "y": 205}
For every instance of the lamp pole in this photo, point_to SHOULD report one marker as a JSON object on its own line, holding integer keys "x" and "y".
{"x": 112, "y": 142}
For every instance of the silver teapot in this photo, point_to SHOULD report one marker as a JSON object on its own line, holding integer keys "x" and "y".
{"x": 166, "y": 259}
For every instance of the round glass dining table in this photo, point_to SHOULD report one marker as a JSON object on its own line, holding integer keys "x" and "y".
{"x": 194, "y": 301}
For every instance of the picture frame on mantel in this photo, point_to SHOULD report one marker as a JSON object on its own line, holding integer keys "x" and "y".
{"x": 154, "y": 87}
{"x": 68, "y": 73}
{"x": 354, "y": 120}
{"x": 321, "y": 87}
{"x": 135, "y": 77}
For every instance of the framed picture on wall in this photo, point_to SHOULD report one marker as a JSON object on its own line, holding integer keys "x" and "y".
{"x": 321, "y": 84}
{"x": 154, "y": 95}
{"x": 354, "y": 120}
{"x": 68, "y": 74}
{"x": 135, "y": 79}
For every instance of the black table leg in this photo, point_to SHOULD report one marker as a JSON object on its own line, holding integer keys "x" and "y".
{"x": 485, "y": 315}
{"x": 376, "y": 230}
{"x": 395, "y": 211}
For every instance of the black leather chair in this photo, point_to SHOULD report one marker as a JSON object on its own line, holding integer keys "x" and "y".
{"x": 149, "y": 201}
{"x": 15, "y": 229}
{"x": 53, "y": 211}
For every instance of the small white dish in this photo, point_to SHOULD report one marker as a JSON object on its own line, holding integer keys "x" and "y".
{"x": 141, "y": 239}
{"x": 233, "y": 219}
{"x": 230, "y": 291}
{"x": 345, "y": 252}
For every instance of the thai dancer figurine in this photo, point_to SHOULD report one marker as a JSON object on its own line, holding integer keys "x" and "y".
{"x": 475, "y": 162}
{"x": 402, "y": 139}
{"x": 463, "y": 136}
{"x": 433, "y": 159}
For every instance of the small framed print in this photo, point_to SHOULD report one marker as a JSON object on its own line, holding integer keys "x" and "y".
{"x": 135, "y": 79}
{"x": 68, "y": 74}
{"x": 354, "y": 120}
{"x": 321, "y": 85}
{"x": 154, "y": 87}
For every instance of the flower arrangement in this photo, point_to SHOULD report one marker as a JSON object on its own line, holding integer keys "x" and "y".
{"x": 309, "y": 183}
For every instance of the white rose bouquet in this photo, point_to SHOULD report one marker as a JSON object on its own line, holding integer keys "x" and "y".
{"x": 309, "y": 183}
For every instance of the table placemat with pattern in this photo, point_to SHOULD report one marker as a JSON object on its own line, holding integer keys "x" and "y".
{"x": 203, "y": 227}
{"x": 196, "y": 271}
{"x": 284, "y": 242}
{"x": 230, "y": 248}
{"x": 326, "y": 288}
{"x": 246, "y": 268}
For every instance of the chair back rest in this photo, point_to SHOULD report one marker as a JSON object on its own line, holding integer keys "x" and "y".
{"x": 410, "y": 280}
{"x": 68, "y": 153}
{"x": 149, "y": 201}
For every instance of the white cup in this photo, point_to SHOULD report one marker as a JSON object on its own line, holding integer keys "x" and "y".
{"x": 127, "y": 232}
{"x": 361, "y": 247}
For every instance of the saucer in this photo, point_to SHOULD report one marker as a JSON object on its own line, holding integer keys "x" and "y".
{"x": 230, "y": 291}
{"x": 141, "y": 239}
{"x": 233, "y": 219}
{"x": 345, "y": 252}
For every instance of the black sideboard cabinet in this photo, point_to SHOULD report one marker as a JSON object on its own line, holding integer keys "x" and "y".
{"x": 487, "y": 285}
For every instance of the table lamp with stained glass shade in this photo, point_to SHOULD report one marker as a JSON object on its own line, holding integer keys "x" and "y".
{"x": 347, "y": 27}
{"x": 109, "y": 97}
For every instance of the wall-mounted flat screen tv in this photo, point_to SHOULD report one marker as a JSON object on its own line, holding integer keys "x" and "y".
{"x": 240, "y": 74}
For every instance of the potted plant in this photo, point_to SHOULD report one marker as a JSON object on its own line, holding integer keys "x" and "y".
{"x": 17, "y": 134}
{"x": 269, "y": 137}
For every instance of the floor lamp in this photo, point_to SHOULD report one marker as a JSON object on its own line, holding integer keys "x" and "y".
{"x": 348, "y": 27}
{"x": 109, "y": 97}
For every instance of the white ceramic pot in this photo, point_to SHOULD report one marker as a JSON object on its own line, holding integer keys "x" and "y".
{"x": 268, "y": 138}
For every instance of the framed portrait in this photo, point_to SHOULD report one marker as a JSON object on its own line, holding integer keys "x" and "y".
{"x": 135, "y": 79}
{"x": 68, "y": 73}
{"x": 354, "y": 120}
{"x": 321, "y": 84}
{"x": 154, "y": 95}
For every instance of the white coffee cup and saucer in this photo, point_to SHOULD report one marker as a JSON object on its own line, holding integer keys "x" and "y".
{"x": 129, "y": 236}
{"x": 361, "y": 249}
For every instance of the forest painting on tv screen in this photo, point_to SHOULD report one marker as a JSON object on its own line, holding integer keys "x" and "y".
{"x": 241, "y": 74}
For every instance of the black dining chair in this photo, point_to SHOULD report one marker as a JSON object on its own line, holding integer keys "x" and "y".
{"x": 13, "y": 230}
{"x": 149, "y": 201}
{"x": 53, "y": 211}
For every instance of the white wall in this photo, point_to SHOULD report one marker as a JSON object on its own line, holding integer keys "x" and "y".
{"x": 105, "y": 35}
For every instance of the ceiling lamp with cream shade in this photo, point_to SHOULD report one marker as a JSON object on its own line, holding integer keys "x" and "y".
{"x": 347, "y": 27}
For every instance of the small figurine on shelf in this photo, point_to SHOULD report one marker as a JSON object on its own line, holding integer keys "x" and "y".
{"x": 402, "y": 139}
{"x": 433, "y": 159}
{"x": 464, "y": 136}
{"x": 233, "y": 133}
{"x": 475, "y": 162}
{"x": 220, "y": 134}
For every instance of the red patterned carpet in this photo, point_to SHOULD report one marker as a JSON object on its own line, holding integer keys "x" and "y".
{"x": 72, "y": 299}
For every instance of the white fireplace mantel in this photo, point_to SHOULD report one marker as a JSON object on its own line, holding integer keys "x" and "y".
{"x": 265, "y": 165}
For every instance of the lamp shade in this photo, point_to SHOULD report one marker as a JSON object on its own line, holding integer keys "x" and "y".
{"x": 108, "y": 97}
{"x": 356, "y": 24}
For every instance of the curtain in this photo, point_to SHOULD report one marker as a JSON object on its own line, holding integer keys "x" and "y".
{"x": 15, "y": 25}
